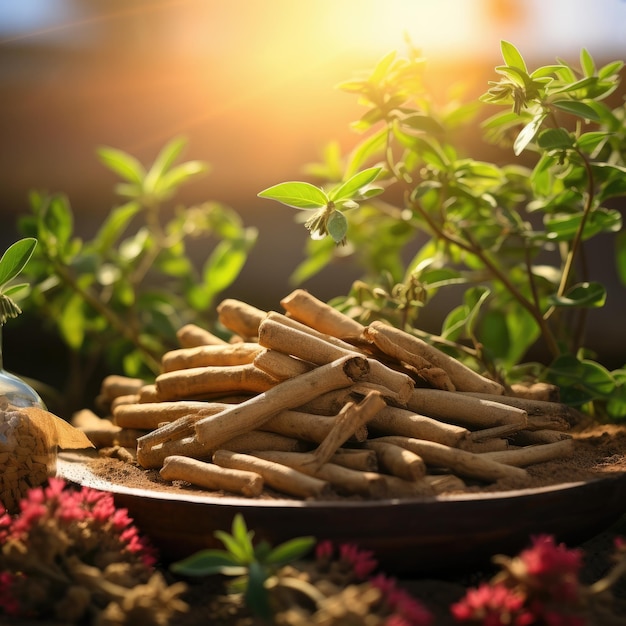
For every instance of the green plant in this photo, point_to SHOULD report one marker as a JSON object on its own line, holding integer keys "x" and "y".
{"x": 120, "y": 297}
{"x": 513, "y": 235}
{"x": 253, "y": 566}
{"x": 12, "y": 263}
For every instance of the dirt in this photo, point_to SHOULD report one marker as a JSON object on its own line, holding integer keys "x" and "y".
{"x": 599, "y": 451}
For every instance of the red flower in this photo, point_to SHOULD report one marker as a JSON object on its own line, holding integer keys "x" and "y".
{"x": 492, "y": 605}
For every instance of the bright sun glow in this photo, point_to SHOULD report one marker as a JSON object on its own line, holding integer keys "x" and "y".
{"x": 437, "y": 27}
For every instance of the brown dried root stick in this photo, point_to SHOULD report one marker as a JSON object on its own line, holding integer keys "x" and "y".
{"x": 192, "y": 335}
{"x": 281, "y": 318}
{"x": 392, "y": 420}
{"x": 240, "y": 317}
{"x": 150, "y": 415}
{"x": 530, "y": 455}
{"x": 276, "y": 475}
{"x": 211, "y": 476}
{"x": 198, "y": 382}
{"x": 277, "y": 336}
{"x": 216, "y": 429}
{"x": 544, "y": 414}
{"x": 391, "y": 346}
{"x": 398, "y": 461}
{"x": 346, "y": 423}
{"x": 201, "y": 356}
{"x": 102, "y": 432}
{"x": 344, "y": 480}
{"x": 152, "y": 455}
{"x": 460, "y": 462}
{"x": 464, "y": 409}
{"x": 305, "y": 308}
{"x": 356, "y": 458}
{"x": 463, "y": 378}
{"x": 306, "y": 426}
{"x": 114, "y": 386}
{"x": 281, "y": 366}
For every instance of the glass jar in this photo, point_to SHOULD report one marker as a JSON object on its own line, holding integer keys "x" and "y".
{"x": 14, "y": 390}
{"x": 27, "y": 456}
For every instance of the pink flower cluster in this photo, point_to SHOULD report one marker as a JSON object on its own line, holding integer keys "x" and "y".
{"x": 538, "y": 587}
{"x": 403, "y": 609}
{"x": 88, "y": 507}
{"x": 55, "y": 528}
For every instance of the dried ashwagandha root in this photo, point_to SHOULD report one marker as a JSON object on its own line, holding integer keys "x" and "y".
{"x": 29, "y": 438}
{"x": 367, "y": 410}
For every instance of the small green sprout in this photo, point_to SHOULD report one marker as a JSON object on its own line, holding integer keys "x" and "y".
{"x": 254, "y": 567}
{"x": 328, "y": 218}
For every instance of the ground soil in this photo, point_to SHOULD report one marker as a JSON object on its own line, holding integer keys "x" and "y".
{"x": 600, "y": 451}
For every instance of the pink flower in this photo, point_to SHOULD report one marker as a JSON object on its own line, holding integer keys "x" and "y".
{"x": 492, "y": 605}
{"x": 406, "y": 610}
{"x": 555, "y": 567}
{"x": 361, "y": 561}
{"x": 324, "y": 550}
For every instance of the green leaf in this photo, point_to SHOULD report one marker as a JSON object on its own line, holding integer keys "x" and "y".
{"x": 114, "y": 225}
{"x": 512, "y": 56}
{"x": 365, "y": 150}
{"x": 240, "y": 553}
{"x": 243, "y": 536}
{"x": 337, "y": 226}
{"x": 319, "y": 255}
{"x": 561, "y": 227}
{"x": 207, "y": 563}
{"x": 577, "y": 108}
{"x": 297, "y": 195}
{"x": 58, "y": 220}
{"x": 592, "y": 140}
{"x": 587, "y": 295}
{"x": 164, "y": 160}
{"x": 349, "y": 188}
{"x": 587, "y": 63}
{"x": 125, "y": 165}
{"x": 474, "y": 298}
{"x": 616, "y": 404}
{"x": 580, "y": 380}
{"x": 610, "y": 69}
{"x": 454, "y": 323}
{"x": 555, "y": 139}
{"x": 528, "y": 133}
{"x": 178, "y": 175}
{"x": 15, "y": 259}
{"x": 256, "y": 596}
{"x": 424, "y": 123}
{"x": 225, "y": 264}
{"x": 13, "y": 290}
{"x": 72, "y": 322}
{"x": 290, "y": 550}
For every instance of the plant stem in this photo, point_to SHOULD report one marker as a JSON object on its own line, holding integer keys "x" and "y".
{"x": 114, "y": 320}
{"x": 576, "y": 242}
{"x": 531, "y": 307}
{"x": 497, "y": 273}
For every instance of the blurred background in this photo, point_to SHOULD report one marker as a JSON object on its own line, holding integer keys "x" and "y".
{"x": 251, "y": 85}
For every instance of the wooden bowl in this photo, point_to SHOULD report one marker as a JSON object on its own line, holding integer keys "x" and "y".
{"x": 417, "y": 536}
